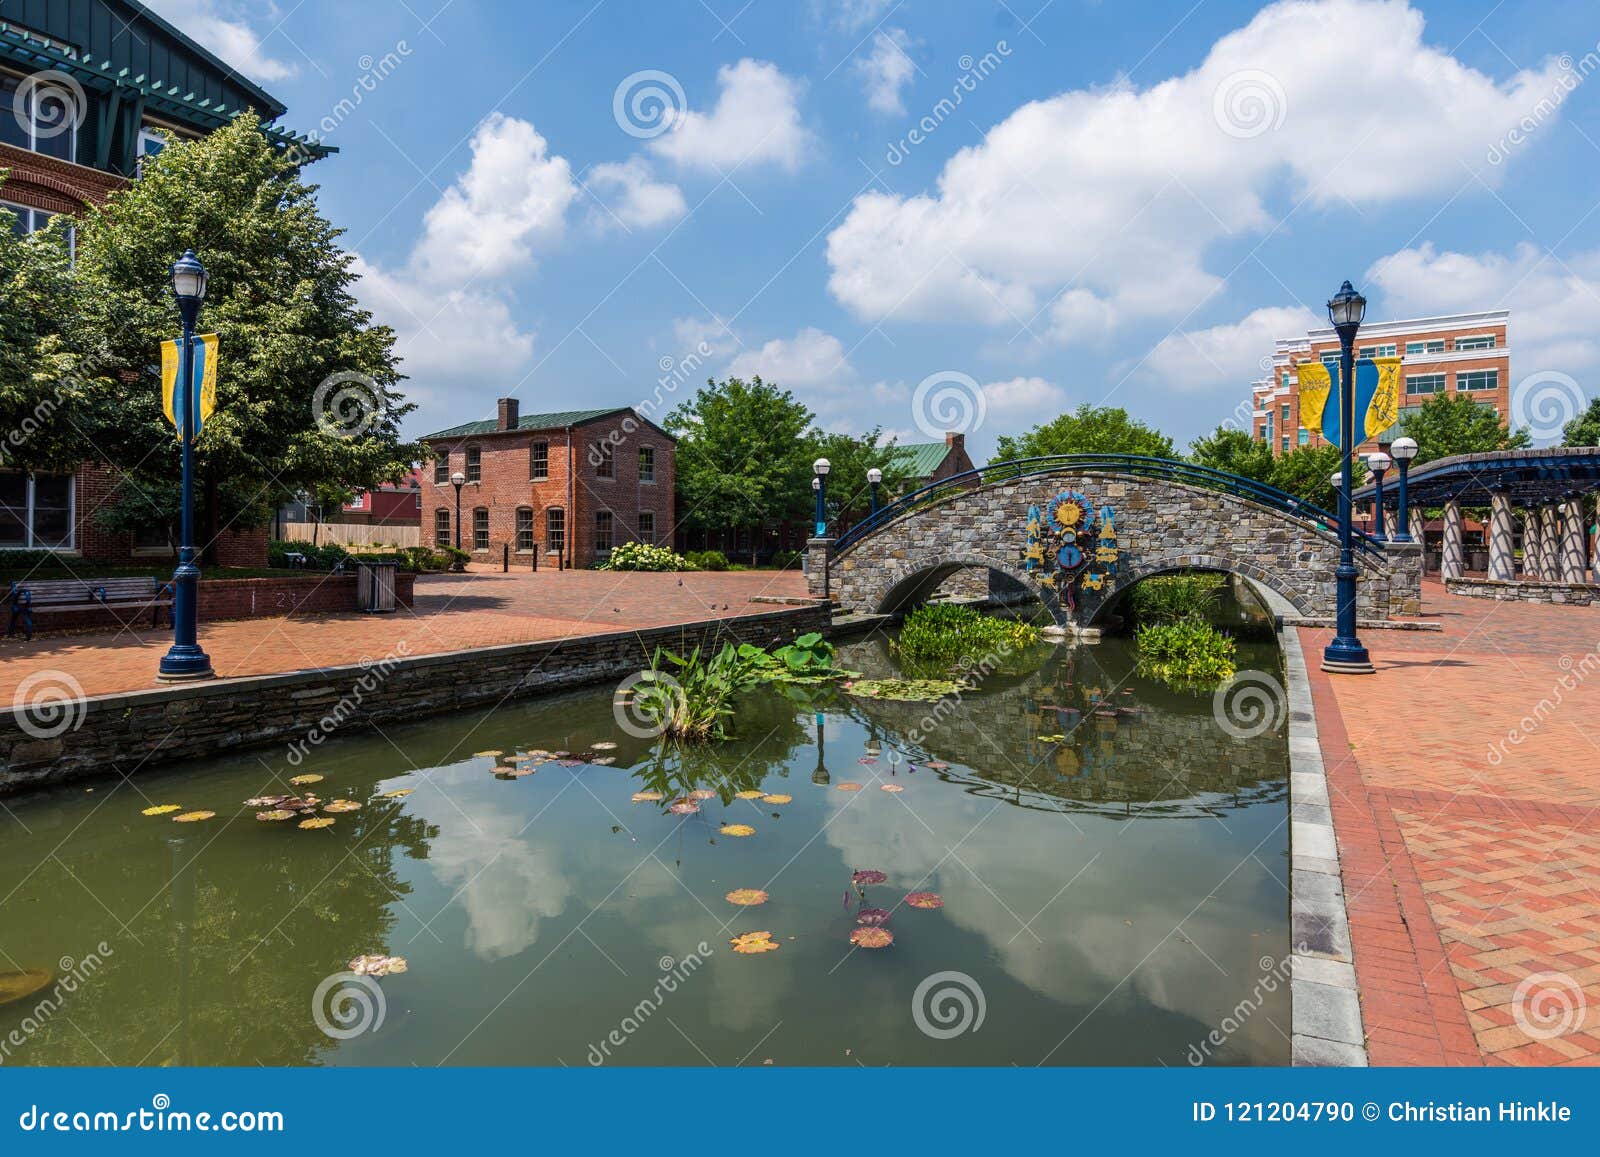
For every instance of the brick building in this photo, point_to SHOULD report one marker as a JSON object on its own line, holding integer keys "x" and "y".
{"x": 565, "y": 486}
{"x": 86, "y": 87}
{"x": 392, "y": 504}
{"x": 1464, "y": 353}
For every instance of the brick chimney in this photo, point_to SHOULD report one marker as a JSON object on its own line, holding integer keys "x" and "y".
{"x": 508, "y": 414}
{"x": 955, "y": 441}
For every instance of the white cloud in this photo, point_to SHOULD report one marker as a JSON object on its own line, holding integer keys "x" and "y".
{"x": 854, "y": 15}
{"x": 1554, "y": 302}
{"x": 809, "y": 359}
{"x": 513, "y": 197}
{"x": 756, "y": 120}
{"x": 1225, "y": 357}
{"x": 709, "y": 333}
{"x": 886, "y": 70}
{"x": 234, "y": 41}
{"x": 1032, "y": 398}
{"x": 1098, "y": 207}
{"x": 632, "y": 196}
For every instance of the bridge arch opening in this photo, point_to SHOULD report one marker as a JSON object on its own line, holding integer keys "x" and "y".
{"x": 1246, "y": 594}
{"x": 970, "y": 577}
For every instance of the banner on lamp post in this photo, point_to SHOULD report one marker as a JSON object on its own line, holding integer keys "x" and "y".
{"x": 204, "y": 350}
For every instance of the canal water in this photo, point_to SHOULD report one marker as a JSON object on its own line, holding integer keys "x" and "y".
{"x": 1112, "y": 866}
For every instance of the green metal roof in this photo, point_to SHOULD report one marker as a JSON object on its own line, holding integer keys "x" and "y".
{"x": 552, "y": 421}
{"x": 921, "y": 458}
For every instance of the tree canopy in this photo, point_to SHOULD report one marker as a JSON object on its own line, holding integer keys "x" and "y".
{"x": 1087, "y": 430}
{"x": 1449, "y": 424}
{"x": 1584, "y": 430}
{"x": 1234, "y": 451}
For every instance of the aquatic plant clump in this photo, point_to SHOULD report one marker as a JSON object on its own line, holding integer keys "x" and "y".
{"x": 904, "y": 690}
{"x": 950, "y": 635}
{"x": 1188, "y": 653}
{"x": 1171, "y": 598}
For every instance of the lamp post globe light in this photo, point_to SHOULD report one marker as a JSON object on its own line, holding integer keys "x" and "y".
{"x": 1378, "y": 462}
{"x": 185, "y": 659}
{"x": 458, "y": 480}
{"x": 821, "y": 466}
{"x": 874, "y": 476}
{"x": 1403, "y": 449}
{"x": 1345, "y": 654}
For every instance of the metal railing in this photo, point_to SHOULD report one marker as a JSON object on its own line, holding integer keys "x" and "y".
{"x": 1134, "y": 465}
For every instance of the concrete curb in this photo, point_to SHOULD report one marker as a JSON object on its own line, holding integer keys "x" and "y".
{"x": 1325, "y": 1011}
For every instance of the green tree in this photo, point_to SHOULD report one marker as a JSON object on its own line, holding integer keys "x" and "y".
{"x": 1305, "y": 472}
{"x": 1449, "y": 424}
{"x": 1087, "y": 430}
{"x": 305, "y": 383}
{"x": 1584, "y": 430}
{"x": 850, "y": 457}
{"x": 744, "y": 456}
{"x": 1234, "y": 451}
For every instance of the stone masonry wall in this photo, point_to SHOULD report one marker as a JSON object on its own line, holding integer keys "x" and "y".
{"x": 1524, "y": 591}
{"x": 1161, "y": 526}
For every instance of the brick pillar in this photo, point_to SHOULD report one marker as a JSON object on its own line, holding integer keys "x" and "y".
{"x": 1502, "y": 562}
{"x": 1573, "y": 553}
{"x": 1550, "y": 527}
{"x": 1532, "y": 544}
{"x": 1450, "y": 564}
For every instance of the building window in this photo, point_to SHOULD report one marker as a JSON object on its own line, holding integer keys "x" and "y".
{"x": 647, "y": 526}
{"x": 524, "y": 529}
{"x": 474, "y": 464}
{"x": 441, "y": 527}
{"x": 1286, "y": 442}
{"x": 1285, "y": 414}
{"x": 1414, "y": 348}
{"x": 539, "y": 461}
{"x": 1425, "y": 384}
{"x": 647, "y": 464}
{"x": 1330, "y": 358}
{"x": 1481, "y": 341}
{"x": 1478, "y": 380}
{"x": 1305, "y": 436}
{"x": 441, "y": 470}
{"x": 44, "y": 121}
{"x": 605, "y": 465}
{"x": 1377, "y": 351}
{"x": 555, "y": 530}
{"x": 480, "y": 528}
{"x": 36, "y": 511}
{"x": 602, "y": 531}
{"x": 25, "y": 220}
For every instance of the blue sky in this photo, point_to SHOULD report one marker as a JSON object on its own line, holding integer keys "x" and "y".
{"x": 1126, "y": 204}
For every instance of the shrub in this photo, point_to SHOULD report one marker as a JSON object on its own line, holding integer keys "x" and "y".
{"x": 643, "y": 556}
{"x": 949, "y": 635}
{"x": 787, "y": 559}
{"x": 325, "y": 556}
{"x": 708, "y": 560}
{"x": 1170, "y": 598}
{"x": 1185, "y": 652}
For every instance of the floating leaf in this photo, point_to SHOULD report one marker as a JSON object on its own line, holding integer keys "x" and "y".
{"x": 737, "y": 830}
{"x": 398, "y": 793}
{"x": 559, "y": 754}
{"x": 304, "y": 779}
{"x": 648, "y": 797}
{"x": 342, "y": 805}
{"x": 925, "y": 900}
{"x": 867, "y": 759}
{"x": 904, "y": 690}
{"x": 24, "y": 983}
{"x": 747, "y": 795}
{"x": 890, "y": 787}
{"x": 702, "y": 793}
{"x": 275, "y": 815}
{"x": 867, "y": 876}
{"x": 684, "y": 807}
{"x": 265, "y": 801}
{"x": 603, "y": 745}
{"x": 777, "y": 799}
{"x": 162, "y": 809}
{"x": 848, "y": 786}
{"x": 377, "y": 965}
{"x": 477, "y": 755}
{"x": 319, "y": 822}
{"x": 746, "y": 897}
{"x": 872, "y": 916}
{"x": 749, "y": 943}
{"x": 513, "y": 772}
{"x": 936, "y": 765}
{"x": 871, "y": 937}
{"x": 604, "y": 760}
{"x": 192, "y": 817}
{"x": 569, "y": 763}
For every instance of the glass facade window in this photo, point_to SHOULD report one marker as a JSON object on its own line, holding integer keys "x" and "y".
{"x": 524, "y": 528}
{"x": 647, "y": 526}
{"x": 474, "y": 464}
{"x": 441, "y": 527}
{"x": 647, "y": 464}
{"x": 480, "y": 528}
{"x": 36, "y": 511}
{"x": 441, "y": 470}
{"x": 1483, "y": 341}
{"x": 42, "y": 118}
{"x": 1478, "y": 380}
{"x": 1284, "y": 414}
{"x": 1415, "y": 348}
{"x": 555, "y": 530}
{"x": 1425, "y": 384}
{"x": 1377, "y": 351}
{"x": 1305, "y": 436}
{"x": 539, "y": 461}
{"x": 602, "y": 530}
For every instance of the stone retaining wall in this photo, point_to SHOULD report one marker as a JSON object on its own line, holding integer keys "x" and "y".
{"x": 120, "y": 734}
{"x": 1524, "y": 591}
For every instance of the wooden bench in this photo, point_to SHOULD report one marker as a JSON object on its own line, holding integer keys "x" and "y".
{"x": 30, "y": 596}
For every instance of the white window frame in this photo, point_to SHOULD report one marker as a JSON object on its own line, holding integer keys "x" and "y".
{"x": 32, "y": 125}
{"x": 1492, "y": 375}
{"x": 1475, "y": 337}
{"x": 1439, "y": 389}
{"x": 71, "y": 546}
{"x": 651, "y": 537}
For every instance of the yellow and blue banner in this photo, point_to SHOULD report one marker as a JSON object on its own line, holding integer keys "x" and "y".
{"x": 204, "y": 350}
{"x": 1377, "y": 397}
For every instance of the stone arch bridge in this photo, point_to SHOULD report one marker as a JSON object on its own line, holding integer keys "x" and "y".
{"x": 1168, "y": 516}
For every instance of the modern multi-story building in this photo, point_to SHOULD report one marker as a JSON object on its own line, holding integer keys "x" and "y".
{"x": 85, "y": 88}
{"x": 568, "y": 486}
{"x": 1464, "y": 353}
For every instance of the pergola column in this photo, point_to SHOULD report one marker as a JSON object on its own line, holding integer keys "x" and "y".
{"x": 1573, "y": 554}
{"x": 1550, "y": 563}
{"x": 1502, "y": 561}
{"x": 1450, "y": 562}
{"x": 1532, "y": 544}
{"x": 1417, "y": 527}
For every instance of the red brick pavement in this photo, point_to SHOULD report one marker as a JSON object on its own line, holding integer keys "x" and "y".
{"x": 1465, "y": 782}
{"x": 451, "y": 612}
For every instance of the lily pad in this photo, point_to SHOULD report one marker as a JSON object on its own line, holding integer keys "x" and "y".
{"x": 377, "y": 965}
{"x": 702, "y": 793}
{"x": 192, "y": 817}
{"x": 747, "y": 795}
{"x": 866, "y": 876}
{"x": 871, "y": 936}
{"x": 162, "y": 809}
{"x": 603, "y": 745}
{"x": 399, "y": 793}
{"x": 777, "y": 798}
{"x": 684, "y": 807}
{"x": 648, "y": 797}
{"x": 569, "y": 763}
{"x": 492, "y": 754}
{"x": 737, "y": 830}
{"x": 750, "y": 943}
{"x": 275, "y": 815}
{"x": 867, "y": 759}
{"x": 746, "y": 897}
{"x": 24, "y": 983}
{"x": 603, "y": 760}
{"x": 936, "y": 765}
{"x": 925, "y": 900}
{"x": 299, "y": 780}
{"x": 890, "y": 787}
{"x": 848, "y": 786}
{"x": 872, "y": 916}
{"x": 342, "y": 805}
{"x": 265, "y": 801}
{"x": 903, "y": 690}
{"x": 319, "y": 822}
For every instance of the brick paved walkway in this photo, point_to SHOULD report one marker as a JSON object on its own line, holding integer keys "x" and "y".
{"x": 451, "y": 612}
{"x": 1471, "y": 860}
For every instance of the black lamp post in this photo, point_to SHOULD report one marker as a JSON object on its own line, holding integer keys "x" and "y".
{"x": 1378, "y": 462}
{"x": 457, "y": 480}
{"x": 874, "y": 476}
{"x": 820, "y": 485}
{"x": 1345, "y": 653}
{"x": 185, "y": 659}
{"x": 820, "y": 776}
{"x": 1403, "y": 449}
